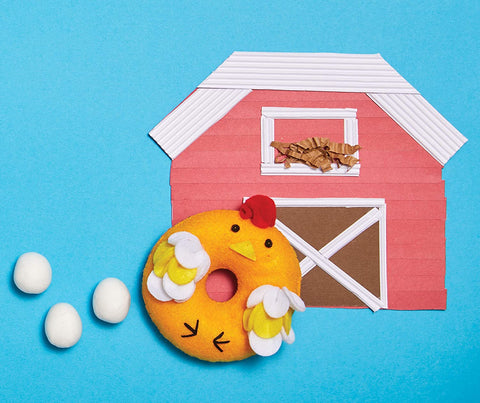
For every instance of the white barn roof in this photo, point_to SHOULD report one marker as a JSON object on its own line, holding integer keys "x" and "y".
{"x": 243, "y": 72}
{"x": 308, "y": 72}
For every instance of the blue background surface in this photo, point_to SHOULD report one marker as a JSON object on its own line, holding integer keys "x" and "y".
{"x": 82, "y": 83}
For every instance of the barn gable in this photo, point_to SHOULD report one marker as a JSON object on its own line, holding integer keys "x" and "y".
{"x": 369, "y": 74}
{"x": 396, "y": 198}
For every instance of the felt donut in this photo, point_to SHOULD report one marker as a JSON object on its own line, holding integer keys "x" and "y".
{"x": 260, "y": 263}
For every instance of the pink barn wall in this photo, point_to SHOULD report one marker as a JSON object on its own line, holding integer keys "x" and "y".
{"x": 212, "y": 174}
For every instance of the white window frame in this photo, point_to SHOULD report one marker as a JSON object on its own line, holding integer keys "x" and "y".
{"x": 321, "y": 258}
{"x": 270, "y": 114}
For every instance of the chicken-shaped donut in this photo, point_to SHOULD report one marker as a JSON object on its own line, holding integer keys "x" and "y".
{"x": 260, "y": 262}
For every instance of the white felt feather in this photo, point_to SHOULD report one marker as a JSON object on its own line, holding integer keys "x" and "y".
{"x": 188, "y": 249}
{"x": 290, "y": 338}
{"x": 256, "y": 296}
{"x": 188, "y": 254}
{"x": 295, "y": 301}
{"x": 264, "y": 347}
{"x": 178, "y": 292}
{"x": 179, "y": 236}
{"x": 275, "y": 302}
{"x": 155, "y": 287}
{"x": 203, "y": 266}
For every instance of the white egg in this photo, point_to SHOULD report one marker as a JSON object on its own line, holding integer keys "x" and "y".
{"x": 111, "y": 300}
{"x": 63, "y": 325}
{"x": 32, "y": 273}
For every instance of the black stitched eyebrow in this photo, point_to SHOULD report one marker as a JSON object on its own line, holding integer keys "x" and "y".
{"x": 194, "y": 331}
{"x": 217, "y": 342}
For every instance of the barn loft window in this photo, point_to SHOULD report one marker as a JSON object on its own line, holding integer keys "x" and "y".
{"x": 340, "y": 125}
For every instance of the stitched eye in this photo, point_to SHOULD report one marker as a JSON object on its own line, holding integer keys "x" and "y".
{"x": 268, "y": 243}
{"x": 235, "y": 228}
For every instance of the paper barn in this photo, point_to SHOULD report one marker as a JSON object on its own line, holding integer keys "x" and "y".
{"x": 368, "y": 235}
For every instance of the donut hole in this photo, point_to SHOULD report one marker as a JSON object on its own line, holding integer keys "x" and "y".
{"x": 221, "y": 285}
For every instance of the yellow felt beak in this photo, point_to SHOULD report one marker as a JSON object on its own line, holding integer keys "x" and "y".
{"x": 245, "y": 249}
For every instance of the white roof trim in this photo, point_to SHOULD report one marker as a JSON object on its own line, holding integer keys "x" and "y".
{"x": 197, "y": 113}
{"x": 423, "y": 122}
{"x": 371, "y": 74}
{"x": 308, "y": 72}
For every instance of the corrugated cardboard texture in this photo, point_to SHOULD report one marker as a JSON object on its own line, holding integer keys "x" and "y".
{"x": 359, "y": 259}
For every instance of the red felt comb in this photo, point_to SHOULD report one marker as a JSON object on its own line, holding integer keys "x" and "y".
{"x": 260, "y": 210}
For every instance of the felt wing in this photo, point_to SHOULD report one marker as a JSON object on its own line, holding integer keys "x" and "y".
{"x": 268, "y": 318}
{"x": 178, "y": 264}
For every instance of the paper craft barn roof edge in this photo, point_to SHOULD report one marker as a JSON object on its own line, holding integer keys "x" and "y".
{"x": 243, "y": 72}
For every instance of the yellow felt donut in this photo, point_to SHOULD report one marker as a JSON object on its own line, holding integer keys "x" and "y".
{"x": 257, "y": 318}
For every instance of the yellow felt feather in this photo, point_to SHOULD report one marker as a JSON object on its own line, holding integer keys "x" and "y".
{"x": 178, "y": 274}
{"x": 264, "y": 326}
{"x": 161, "y": 257}
{"x": 246, "y": 318}
{"x": 164, "y": 261}
{"x": 159, "y": 270}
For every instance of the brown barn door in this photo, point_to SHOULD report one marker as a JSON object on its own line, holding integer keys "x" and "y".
{"x": 341, "y": 246}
